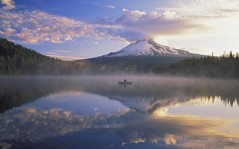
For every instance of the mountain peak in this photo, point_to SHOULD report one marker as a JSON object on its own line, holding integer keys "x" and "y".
{"x": 145, "y": 40}
{"x": 148, "y": 47}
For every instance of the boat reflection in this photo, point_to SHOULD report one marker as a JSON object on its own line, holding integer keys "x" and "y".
{"x": 108, "y": 116}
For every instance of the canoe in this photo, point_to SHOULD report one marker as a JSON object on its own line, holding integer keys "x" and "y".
{"x": 125, "y": 83}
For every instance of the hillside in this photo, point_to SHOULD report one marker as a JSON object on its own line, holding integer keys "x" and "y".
{"x": 18, "y": 60}
{"x": 129, "y": 64}
{"x": 15, "y": 59}
{"x": 226, "y": 66}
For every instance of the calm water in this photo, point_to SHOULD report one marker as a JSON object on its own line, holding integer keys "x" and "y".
{"x": 95, "y": 112}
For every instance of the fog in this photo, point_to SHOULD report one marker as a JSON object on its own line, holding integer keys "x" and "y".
{"x": 15, "y": 91}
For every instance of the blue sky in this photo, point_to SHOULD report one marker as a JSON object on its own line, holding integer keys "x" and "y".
{"x": 79, "y": 29}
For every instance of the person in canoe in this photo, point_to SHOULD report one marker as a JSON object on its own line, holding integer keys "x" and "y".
{"x": 125, "y": 82}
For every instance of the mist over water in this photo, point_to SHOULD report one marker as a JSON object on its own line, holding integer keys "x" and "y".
{"x": 97, "y": 112}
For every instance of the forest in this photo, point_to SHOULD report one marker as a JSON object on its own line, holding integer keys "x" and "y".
{"x": 225, "y": 66}
{"x": 18, "y": 60}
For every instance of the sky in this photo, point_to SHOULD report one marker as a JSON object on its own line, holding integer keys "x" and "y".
{"x": 79, "y": 29}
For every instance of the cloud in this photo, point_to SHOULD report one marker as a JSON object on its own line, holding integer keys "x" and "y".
{"x": 9, "y": 4}
{"x": 101, "y": 5}
{"x": 48, "y": 123}
{"x": 122, "y": 34}
{"x": 205, "y": 8}
{"x": 66, "y": 58}
{"x": 38, "y": 26}
{"x": 60, "y": 54}
{"x": 154, "y": 23}
{"x": 184, "y": 19}
{"x": 169, "y": 139}
{"x": 109, "y": 6}
{"x": 134, "y": 24}
{"x": 187, "y": 18}
{"x": 62, "y": 51}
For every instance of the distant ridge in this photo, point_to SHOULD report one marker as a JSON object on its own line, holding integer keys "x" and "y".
{"x": 150, "y": 48}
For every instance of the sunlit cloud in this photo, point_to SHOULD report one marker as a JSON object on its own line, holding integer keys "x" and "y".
{"x": 38, "y": 26}
{"x": 189, "y": 18}
{"x": 182, "y": 21}
{"x": 137, "y": 24}
{"x": 186, "y": 24}
{"x": 61, "y": 54}
{"x": 161, "y": 112}
{"x": 169, "y": 139}
{"x": 212, "y": 14}
{"x": 204, "y": 8}
{"x": 220, "y": 19}
{"x": 66, "y": 58}
{"x": 9, "y": 4}
{"x": 62, "y": 51}
{"x": 48, "y": 123}
{"x": 186, "y": 131}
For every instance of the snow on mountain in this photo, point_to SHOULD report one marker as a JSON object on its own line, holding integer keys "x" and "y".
{"x": 149, "y": 104}
{"x": 149, "y": 48}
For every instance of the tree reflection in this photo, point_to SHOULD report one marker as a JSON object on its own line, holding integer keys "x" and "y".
{"x": 149, "y": 121}
{"x": 15, "y": 91}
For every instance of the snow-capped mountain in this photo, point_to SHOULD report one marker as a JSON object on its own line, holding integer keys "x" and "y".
{"x": 149, "y": 48}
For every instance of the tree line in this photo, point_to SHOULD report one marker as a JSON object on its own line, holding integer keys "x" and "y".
{"x": 225, "y": 66}
{"x": 18, "y": 60}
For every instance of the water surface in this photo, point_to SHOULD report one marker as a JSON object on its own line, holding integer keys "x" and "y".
{"x": 95, "y": 112}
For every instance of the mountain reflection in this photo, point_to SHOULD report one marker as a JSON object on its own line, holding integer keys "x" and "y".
{"x": 15, "y": 91}
{"x": 159, "y": 128}
{"x": 152, "y": 113}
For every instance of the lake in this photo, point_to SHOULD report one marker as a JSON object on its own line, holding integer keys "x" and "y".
{"x": 95, "y": 112}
